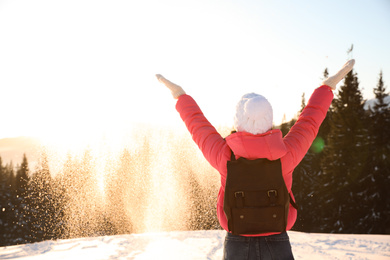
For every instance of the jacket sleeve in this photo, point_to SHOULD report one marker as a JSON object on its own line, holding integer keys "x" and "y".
{"x": 209, "y": 141}
{"x": 304, "y": 131}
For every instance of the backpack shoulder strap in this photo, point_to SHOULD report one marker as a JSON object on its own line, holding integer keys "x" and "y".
{"x": 232, "y": 156}
{"x": 293, "y": 203}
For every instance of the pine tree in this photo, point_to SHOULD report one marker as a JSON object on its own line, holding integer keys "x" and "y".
{"x": 8, "y": 207}
{"x": 306, "y": 180}
{"x": 317, "y": 154}
{"x": 345, "y": 157}
{"x": 19, "y": 225}
{"x": 41, "y": 202}
{"x": 381, "y": 115}
{"x": 5, "y": 197}
{"x": 301, "y": 186}
{"x": 66, "y": 191}
{"x": 378, "y": 165}
{"x": 325, "y": 126}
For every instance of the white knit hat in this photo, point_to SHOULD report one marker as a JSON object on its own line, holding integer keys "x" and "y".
{"x": 253, "y": 114}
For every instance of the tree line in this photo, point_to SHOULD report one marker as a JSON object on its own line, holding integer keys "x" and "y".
{"x": 341, "y": 186}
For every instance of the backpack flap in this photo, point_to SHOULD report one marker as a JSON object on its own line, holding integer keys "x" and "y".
{"x": 256, "y": 198}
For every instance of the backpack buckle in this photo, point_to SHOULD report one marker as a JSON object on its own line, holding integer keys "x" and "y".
{"x": 274, "y": 192}
{"x": 239, "y": 194}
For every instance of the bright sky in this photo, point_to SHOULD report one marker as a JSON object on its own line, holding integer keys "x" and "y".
{"x": 83, "y": 67}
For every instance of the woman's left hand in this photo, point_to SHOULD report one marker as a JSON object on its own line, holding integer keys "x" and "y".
{"x": 176, "y": 90}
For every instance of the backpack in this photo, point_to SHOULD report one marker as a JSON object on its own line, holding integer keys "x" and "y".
{"x": 256, "y": 199}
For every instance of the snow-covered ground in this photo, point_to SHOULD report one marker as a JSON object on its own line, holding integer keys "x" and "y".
{"x": 196, "y": 245}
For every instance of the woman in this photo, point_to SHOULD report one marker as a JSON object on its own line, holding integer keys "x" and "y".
{"x": 254, "y": 138}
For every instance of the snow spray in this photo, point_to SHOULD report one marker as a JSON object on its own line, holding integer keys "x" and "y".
{"x": 155, "y": 180}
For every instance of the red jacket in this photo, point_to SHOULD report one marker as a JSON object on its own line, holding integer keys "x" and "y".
{"x": 271, "y": 145}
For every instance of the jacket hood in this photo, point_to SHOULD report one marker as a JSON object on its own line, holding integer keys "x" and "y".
{"x": 269, "y": 145}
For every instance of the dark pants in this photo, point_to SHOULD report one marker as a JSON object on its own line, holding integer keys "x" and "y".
{"x": 248, "y": 248}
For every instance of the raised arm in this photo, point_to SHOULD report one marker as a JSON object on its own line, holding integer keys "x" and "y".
{"x": 209, "y": 141}
{"x": 302, "y": 134}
